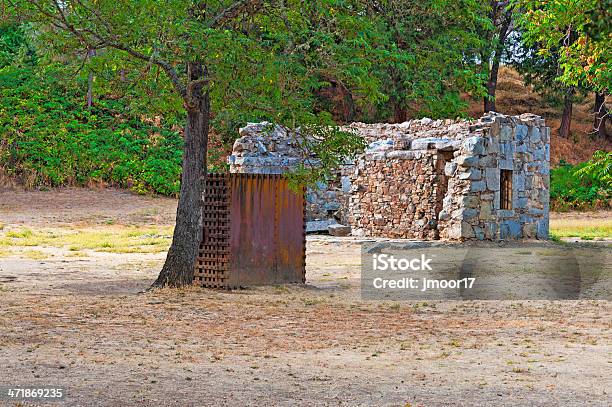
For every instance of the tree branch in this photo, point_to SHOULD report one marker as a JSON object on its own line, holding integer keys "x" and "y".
{"x": 233, "y": 11}
{"x": 59, "y": 20}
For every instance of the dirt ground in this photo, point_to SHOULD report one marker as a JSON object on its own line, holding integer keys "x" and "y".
{"x": 82, "y": 322}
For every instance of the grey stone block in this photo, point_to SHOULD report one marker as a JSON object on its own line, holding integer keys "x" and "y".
{"x": 491, "y": 231}
{"x": 504, "y": 231}
{"x": 530, "y": 230}
{"x": 472, "y": 173}
{"x": 520, "y": 132}
{"x": 420, "y": 144}
{"x": 539, "y": 154}
{"x": 521, "y": 203}
{"x": 479, "y": 233}
{"x": 375, "y": 156}
{"x": 339, "y": 230}
{"x": 485, "y": 211}
{"x": 469, "y": 213}
{"x": 331, "y": 206}
{"x": 311, "y": 197}
{"x": 492, "y": 146}
{"x": 492, "y": 177}
{"x": 505, "y": 133}
{"x": 514, "y": 228}
{"x": 521, "y": 148}
{"x": 450, "y": 145}
{"x": 518, "y": 181}
{"x": 467, "y": 161}
{"x": 379, "y": 145}
{"x": 262, "y": 149}
{"x": 543, "y": 229}
{"x": 317, "y": 226}
{"x": 534, "y": 135}
{"x": 474, "y": 145}
{"x": 430, "y": 142}
{"x": 450, "y": 168}
{"x": 346, "y": 184}
{"x": 488, "y": 161}
{"x": 506, "y": 150}
{"x": 321, "y": 186}
{"x": 466, "y": 230}
{"x": 469, "y": 201}
{"x": 401, "y": 155}
{"x": 478, "y": 186}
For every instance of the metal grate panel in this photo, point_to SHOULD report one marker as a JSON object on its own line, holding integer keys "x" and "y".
{"x": 212, "y": 265}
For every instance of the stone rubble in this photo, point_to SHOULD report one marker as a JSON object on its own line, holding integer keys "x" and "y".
{"x": 423, "y": 179}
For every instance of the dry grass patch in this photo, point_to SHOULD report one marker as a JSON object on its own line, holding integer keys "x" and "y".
{"x": 76, "y": 254}
{"x": 584, "y": 228}
{"x": 34, "y": 254}
{"x": 113, "y": 239}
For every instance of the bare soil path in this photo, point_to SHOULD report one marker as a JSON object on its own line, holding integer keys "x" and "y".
{"x": 71, "y": 315}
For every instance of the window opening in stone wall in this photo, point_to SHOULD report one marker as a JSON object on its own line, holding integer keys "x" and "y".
{"x": 506, "y": 189}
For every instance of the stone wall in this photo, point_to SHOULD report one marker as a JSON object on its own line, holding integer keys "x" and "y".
{"x": 398, "y": 197}
{"x": 471, "y": 208}
{"x": 424, "y": 179}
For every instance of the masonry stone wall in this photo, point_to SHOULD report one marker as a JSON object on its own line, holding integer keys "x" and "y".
{"x": 471, "y": 209}
{"x": 398, "y": 197}
{"x": 423, "y": 179}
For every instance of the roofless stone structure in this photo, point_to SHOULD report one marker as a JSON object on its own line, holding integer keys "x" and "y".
{"x": 425, "y": 179}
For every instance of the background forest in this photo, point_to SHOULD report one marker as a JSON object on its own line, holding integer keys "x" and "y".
{"x": 73, "y": 115}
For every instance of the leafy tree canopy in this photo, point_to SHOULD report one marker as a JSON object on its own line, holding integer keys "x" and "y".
{"x": 579, "y": 31}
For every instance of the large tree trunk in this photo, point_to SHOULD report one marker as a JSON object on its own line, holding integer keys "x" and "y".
{"x": 566, "y": 117}
{"x": 501, "y": 16}
{"x": 489, "y": 100}
{"x": 601, "y": 115}
{"x": 179, "y": 266}
{"x": 400, "y": 115}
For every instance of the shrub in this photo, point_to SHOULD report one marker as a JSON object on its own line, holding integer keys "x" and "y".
{"x": 48, "y": 137}
{"x": 587, "y": 185}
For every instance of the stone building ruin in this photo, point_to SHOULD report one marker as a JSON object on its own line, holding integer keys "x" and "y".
{"x": 425, "y": 179}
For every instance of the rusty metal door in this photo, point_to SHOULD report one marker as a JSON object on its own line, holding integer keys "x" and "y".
{"x": 254, "y": 226}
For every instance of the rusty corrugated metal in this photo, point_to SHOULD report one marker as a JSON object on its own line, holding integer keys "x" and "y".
{"x": 254, "y": 232}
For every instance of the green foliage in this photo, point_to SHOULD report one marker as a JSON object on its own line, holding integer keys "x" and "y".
{"x": 48, "y": 137}
{"x": 265, "y": 60}
{"x": 425, "y": 56}
{"x": 14, "y": 46}
{"x": 579, "y": 31}
{"x": 599, "y": 168}
{"x": 541, "y": 70}
{"x": 331, "y": 147}
{"x": 586, "y": 185}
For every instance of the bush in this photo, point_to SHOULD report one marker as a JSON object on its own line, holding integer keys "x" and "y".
{"x": 48, "y": 137}
{"x": 587, "y": 185}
